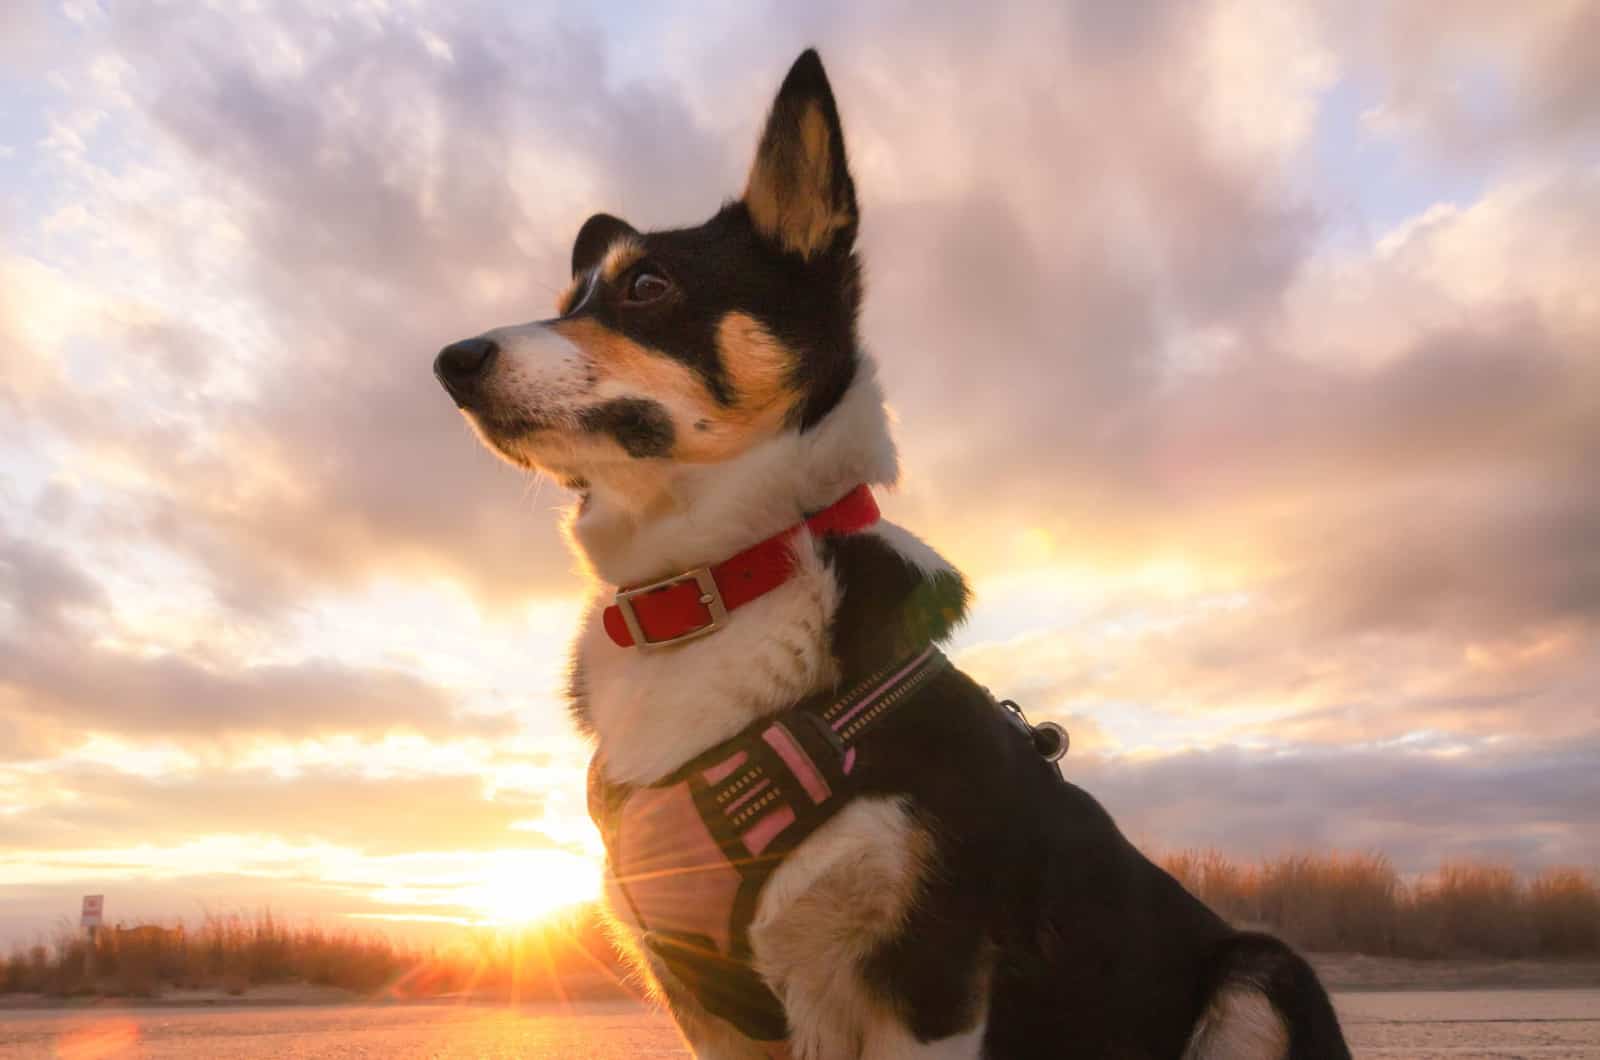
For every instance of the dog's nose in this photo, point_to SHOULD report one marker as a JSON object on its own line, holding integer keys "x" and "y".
{"x": 460, "y": 364}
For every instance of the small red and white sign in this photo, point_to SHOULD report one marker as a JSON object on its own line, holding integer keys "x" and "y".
{"x": 93, "y": 906}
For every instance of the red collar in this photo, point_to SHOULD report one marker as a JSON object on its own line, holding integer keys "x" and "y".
{"x": 698, "y": 601}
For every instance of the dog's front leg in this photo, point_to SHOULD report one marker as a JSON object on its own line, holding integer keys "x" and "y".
{"x": 709, "y": 1037}
{"x": 845, "y": 898}
{"x": 891, "y": 1040}
{"x": 848, "y": 1020}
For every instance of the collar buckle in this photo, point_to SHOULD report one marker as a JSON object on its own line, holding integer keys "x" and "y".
{"x": 710, "y": 599}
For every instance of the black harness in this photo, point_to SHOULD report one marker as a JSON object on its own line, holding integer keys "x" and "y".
{"x": 692, "y": 852}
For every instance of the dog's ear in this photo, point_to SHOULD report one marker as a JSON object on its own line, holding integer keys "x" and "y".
{"x": 595, "y": 238}
{"x": 800, "y": 194}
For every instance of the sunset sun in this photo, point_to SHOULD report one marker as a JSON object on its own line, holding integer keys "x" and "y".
{"x": 520, "y": 887}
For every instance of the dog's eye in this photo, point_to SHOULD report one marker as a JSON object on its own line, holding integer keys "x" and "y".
{"x": 647, "y": 286}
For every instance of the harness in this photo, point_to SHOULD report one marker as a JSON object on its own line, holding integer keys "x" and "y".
{"x": 691, "y": 853}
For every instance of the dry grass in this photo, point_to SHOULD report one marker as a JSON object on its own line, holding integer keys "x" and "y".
{"x": 1350, "y": 903}
{"x": 1565, "y": 910}
{"x": 563, "y": 958}
{"x": 1358, "y": 903}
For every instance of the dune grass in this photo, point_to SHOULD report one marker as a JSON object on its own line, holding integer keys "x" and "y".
{"x": 566, "y": 956}
{"x": 1358, "y": 903}
{"x": 1332, "y": 902}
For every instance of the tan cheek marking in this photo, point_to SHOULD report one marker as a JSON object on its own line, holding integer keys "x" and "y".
{"x": 760, "y": 368}
{"x": 758, "y": 371}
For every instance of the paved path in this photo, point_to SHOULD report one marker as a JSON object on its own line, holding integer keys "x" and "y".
{"x": 1430, "y": 1024}
{"x": 1417, "y": 1025}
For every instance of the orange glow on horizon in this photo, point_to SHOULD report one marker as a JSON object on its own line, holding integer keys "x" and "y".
{"x": 524, "y": 887}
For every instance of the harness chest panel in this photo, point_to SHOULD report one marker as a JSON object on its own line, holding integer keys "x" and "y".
{"x": 692, "y": 853}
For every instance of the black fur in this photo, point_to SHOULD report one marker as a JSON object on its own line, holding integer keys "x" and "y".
{"x": 867, "y": 567}
{"x": 595, "y": 238}
{"x": 726, "y": 266}
{"x": 1034, "y": 899}
{"x": 1284, "y": 976}
{"x": 643, "y": 428}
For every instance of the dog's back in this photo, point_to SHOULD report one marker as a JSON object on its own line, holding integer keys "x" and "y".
{"x": 1093, "y": 944}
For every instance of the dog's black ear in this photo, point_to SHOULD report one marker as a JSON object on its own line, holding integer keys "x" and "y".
{"x": 800, "y": 194}
{"x": 595, "y": 238}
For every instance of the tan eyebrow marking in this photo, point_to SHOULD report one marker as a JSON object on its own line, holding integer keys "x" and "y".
{"x": 619, "y": 256}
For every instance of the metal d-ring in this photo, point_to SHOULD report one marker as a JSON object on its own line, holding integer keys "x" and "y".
{"x": 1049, "y": 739}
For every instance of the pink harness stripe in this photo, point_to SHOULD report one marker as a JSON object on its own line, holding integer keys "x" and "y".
{"x": 767, "y": 829}
{"x": 721, "y": 770}
{"x": 799, "y": 763}
{"x": 881, "y": 689}
{"x": 747, "y": 796}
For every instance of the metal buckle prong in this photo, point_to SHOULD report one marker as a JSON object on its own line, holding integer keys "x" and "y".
{"x": 710, "y": 598}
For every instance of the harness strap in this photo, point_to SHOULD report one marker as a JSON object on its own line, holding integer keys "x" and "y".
{"x": 726, "y": 821}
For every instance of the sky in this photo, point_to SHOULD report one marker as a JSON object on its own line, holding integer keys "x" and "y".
{"x": 1245, "y": 355}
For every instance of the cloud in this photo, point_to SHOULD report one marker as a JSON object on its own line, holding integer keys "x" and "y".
{"x": 1384, "y": 502}
{"x": 61, "y": 681}
{"x": 367, "y": 183}
{"x": 96, "y": 808}
{"x": 107, "y": 691}
{"x": 22, "y": 29}
{"x": 1116, "y": 303}
{"x": 1478, "y": 80}
{"x": 1276, "y": 519}
{"x": 389, "y": 185}
{"x": 1213, "y": 672}
{"x": 1531, "y": 808}
{"x": 41, "y": 585}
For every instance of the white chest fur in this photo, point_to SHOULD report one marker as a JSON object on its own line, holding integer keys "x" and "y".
{"x": 655, "y": 709}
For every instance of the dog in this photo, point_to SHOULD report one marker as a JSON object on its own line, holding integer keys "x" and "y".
{"x": 824, "y": 841}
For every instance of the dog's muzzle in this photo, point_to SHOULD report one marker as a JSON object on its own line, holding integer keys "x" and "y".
{"x": 461, "y": 367}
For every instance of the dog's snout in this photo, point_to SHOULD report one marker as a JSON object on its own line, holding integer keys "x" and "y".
{"x": 460, "y": 365}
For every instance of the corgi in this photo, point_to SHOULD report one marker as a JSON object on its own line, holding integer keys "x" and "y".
{"x": 824, "y": 841}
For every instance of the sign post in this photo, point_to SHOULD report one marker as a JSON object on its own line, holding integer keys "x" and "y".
{"x": 93, "y": 908}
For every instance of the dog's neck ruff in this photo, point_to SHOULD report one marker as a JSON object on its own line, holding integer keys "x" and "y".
{"x": 691, "y": 853}
{"x": 698, "y": 601}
